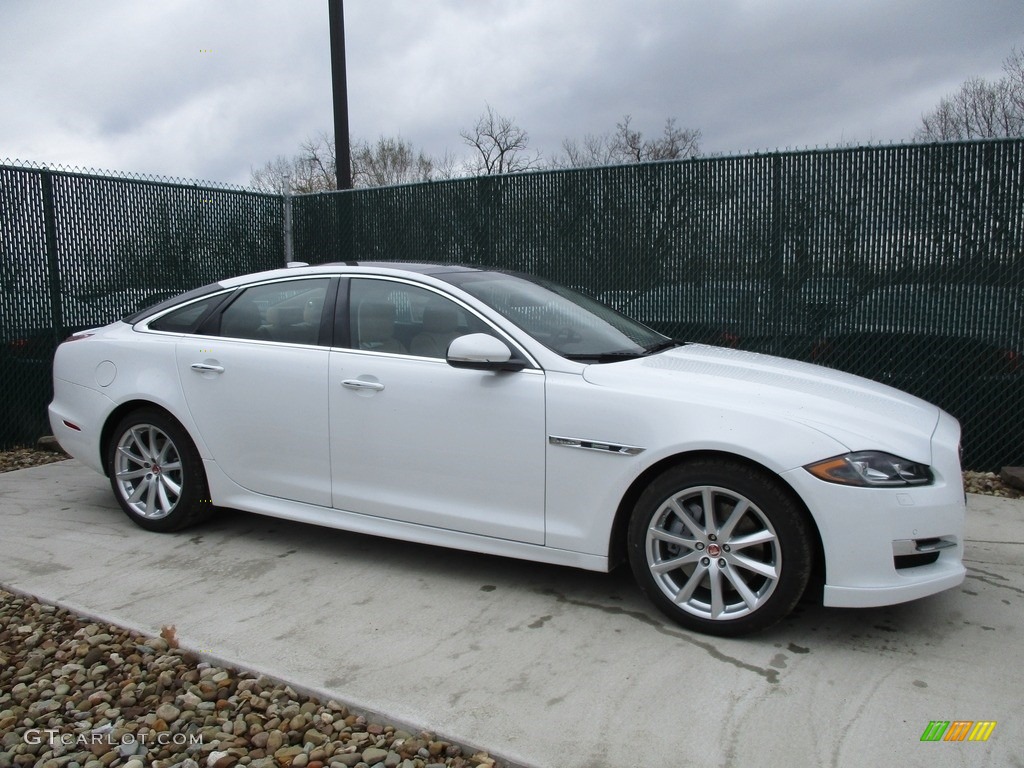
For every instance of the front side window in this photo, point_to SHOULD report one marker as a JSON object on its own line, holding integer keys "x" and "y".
{"x": 398, "y": 318}
{"x": 287, "y": 311}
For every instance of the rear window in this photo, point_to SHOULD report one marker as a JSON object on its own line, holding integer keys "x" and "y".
{"x": 152, "y": 310}
{"x": 186, "y": 318}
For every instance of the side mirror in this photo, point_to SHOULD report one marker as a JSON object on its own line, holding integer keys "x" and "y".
{"x": 482, "y": 352}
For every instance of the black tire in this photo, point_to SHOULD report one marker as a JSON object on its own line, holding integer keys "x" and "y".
{"x": 156, "y": 473}
{"x": 741, "y": 571}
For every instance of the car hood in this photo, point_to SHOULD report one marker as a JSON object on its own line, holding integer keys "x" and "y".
{"x": 859, "y": 413}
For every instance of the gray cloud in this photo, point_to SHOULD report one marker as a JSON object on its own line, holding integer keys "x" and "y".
{"x": 210, "y": 88}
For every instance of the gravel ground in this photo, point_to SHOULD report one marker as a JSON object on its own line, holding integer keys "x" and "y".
{"x": 80, "y": 694}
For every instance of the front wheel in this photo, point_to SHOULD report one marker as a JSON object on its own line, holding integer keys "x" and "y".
{"x": 156, "y": 472}
{"x": 719, "y": 547}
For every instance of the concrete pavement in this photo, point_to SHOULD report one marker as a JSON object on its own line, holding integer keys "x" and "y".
{"x": 542, "y": 665}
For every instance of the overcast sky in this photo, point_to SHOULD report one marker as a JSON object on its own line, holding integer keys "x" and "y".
{"x": 209, "y": 89}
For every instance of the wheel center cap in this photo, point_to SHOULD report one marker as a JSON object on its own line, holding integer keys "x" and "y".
{"x": 156, "y": 469}
{"x": 714, "y": 550}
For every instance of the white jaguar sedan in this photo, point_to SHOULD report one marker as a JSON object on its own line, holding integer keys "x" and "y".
{"x": 501, "y": 413}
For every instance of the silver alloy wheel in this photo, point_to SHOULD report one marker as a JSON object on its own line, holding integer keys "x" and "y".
{"x": 713, "y": 552}
{"x": 148, "y": 471}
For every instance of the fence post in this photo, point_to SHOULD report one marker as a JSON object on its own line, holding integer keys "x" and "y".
{"x": 289, "y": 243}
{"x": 53, "y": 263}
{"x": 777, "y": 257}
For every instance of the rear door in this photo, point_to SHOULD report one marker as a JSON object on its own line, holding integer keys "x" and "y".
{"x": 257, "y": 389}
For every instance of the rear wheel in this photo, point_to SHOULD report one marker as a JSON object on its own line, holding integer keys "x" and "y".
{"x": 720, "y": 547}
{"x": 156, "y": 472}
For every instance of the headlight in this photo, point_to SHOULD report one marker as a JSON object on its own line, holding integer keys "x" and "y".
{"x": 871, "y": 469}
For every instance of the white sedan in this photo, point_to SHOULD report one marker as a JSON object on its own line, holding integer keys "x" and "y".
{"x": 501, "y": 413}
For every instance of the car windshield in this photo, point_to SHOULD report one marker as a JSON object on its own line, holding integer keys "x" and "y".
{"x": 565, "y": 321}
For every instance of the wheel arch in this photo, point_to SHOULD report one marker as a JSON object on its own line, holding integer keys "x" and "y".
{"x": 115, "y": 416}
{"x": 620, "y": 525}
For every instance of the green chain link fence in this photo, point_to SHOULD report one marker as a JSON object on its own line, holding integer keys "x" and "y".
{"x": 80, "y": 249}
{"x": 904, "y": 264}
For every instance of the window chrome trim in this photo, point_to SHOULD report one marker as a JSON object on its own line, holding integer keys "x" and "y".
{"x": 596, "y": 445}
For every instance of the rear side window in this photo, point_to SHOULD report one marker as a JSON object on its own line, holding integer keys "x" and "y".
{"x": 186, "y": 318}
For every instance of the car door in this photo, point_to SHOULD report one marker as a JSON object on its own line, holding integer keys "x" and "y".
{"x": 416, "y": 440}
{"x": 256, "y": 386}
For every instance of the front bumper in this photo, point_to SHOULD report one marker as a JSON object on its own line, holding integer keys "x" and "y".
{"x": 886, "y": 545}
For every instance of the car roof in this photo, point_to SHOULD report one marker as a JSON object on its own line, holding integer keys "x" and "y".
{"x": 423, "y": 268}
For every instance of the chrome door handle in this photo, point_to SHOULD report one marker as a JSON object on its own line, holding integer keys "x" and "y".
{"x": 207, "y": 368}
{"x": 376, "y": 386}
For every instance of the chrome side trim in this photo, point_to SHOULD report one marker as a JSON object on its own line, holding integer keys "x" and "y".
{"x": 595, "y": 445}
{"x": 901, "y": 547}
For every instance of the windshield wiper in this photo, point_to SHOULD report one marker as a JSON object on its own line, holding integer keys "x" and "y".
{"x": 661, "y": 346}
{"x": 603, "y": 357}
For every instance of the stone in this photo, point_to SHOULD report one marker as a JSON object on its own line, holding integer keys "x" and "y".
{"x": 218, "y": 759}
{"x": 167, "y": 712}
{"x": 275, "y": 740}
{"x": 259, "y": 740}
{"x": 286, "y": 755}
{"x": 373, "y": 755}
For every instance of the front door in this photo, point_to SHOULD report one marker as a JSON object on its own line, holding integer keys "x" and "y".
{"x": 417, "y": 440}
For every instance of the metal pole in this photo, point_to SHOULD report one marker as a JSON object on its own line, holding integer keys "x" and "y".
{"x": 289, "y": 243}
{"x": 339, "y": 77}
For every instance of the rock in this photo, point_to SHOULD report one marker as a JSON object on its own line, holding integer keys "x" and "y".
{"x": 259, "y": 740}
{"x": 275, "y": 740}
{"x": 1013, "y": 477}
{"x": 167, "y": 712}
{"x": 374, "y": 755}
{"x": 314, "y": 737}
{"x": 218, "y": 759}
{"x": 286, "y": 755}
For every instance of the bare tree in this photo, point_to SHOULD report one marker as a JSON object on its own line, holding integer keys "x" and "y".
{"x": 626, "y": 145}
{"x": 389, "y": 162}
{"x": 386, "y": 162}
{"x": 318, "y": 164}
{"x": 311, "y": 170}
{"x": 1014, "y": 69}
{"x": 981, "y": 109}
{"x": 591, "y": 151}
{"x": 273, "y": 176}
{"x": 501, "y": 146}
